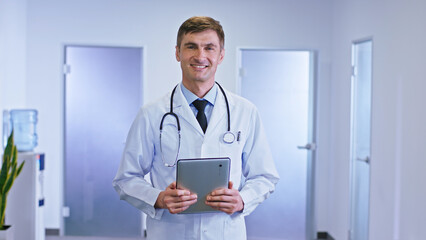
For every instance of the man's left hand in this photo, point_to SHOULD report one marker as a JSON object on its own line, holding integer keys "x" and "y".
{"x": 225, "y": 200}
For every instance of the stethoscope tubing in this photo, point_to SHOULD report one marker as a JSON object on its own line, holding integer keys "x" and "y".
{"x": 227, "y": 107}
{"x": 228, "y": 136}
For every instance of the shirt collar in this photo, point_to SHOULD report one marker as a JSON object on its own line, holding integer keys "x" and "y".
{"x": 190, "y": 96}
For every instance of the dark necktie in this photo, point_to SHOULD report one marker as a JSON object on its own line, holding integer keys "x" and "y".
{"x": 201, "y": 116}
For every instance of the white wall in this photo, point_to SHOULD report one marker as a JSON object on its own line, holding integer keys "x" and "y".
{"x": 12, "y": 54}
{"x": 282, "y": 24}
{"x": 32, "y": 36}
{"x": 398, "y": 197}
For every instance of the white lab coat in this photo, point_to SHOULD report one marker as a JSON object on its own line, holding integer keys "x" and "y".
{"x": 252, "y": 168}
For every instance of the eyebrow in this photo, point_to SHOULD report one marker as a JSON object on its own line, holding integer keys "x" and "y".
{"x": 205, "y": 45}
{"x": 211, "y": 45}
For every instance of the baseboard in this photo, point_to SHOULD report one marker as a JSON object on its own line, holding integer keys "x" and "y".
{"x": 320, "y": 235}
{"x": 324, "y": 235}
{"x": 52, "y": 232}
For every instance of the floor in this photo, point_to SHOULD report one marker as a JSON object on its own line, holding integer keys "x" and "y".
{"x": 107, "y": 238}
{"x": 88, "y": 238}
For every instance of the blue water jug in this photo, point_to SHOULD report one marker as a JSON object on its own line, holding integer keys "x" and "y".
{"x": 24, "y": 122}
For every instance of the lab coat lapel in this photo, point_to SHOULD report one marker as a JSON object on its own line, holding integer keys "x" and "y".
{"x": 182, "y": 109}
{"x": 218, "y": 114}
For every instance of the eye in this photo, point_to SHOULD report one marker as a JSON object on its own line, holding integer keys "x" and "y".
{"x": 190, "y": 46}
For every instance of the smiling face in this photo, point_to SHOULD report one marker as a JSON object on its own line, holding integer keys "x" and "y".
{"x": 199, "y": 55}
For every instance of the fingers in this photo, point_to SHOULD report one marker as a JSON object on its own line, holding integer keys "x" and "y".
{"x": 223, "y": 195}
{"x": 177, "y": 192}
{"x": 172, "y": 186}
{"x": 176, "y": 196}
{"x": 178, "y": 200}
{"x": 179, "y": 203}
{"x": 224, "y": 191}
{"x": 225, "y": 200}
{"x": 226, "y": 204}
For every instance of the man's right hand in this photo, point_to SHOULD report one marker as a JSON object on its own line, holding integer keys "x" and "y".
{"x": 175, "y": 200}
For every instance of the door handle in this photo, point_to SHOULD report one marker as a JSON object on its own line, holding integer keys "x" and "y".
{"x": 308, "y": 146}
{"x": 366, "y": 159}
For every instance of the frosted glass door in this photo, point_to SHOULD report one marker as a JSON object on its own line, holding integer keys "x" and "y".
{"x": 360, "y": 134}
{"x": 280, "y": 84}
{"x": 103, "y": 94}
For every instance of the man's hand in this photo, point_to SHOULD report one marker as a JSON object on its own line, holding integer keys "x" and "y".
{"x": 175, "y": 200}
{"x": 226, "y": 200}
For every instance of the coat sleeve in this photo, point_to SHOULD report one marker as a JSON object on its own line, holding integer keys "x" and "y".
{"x": 136, "y": 162}
{"x": 258, "y": 167}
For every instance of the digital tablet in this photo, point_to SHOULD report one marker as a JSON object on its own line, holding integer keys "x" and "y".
{"x": 202, "y": 176}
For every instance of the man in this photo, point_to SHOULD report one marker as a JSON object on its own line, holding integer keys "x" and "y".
{"x": 199, "y": 49}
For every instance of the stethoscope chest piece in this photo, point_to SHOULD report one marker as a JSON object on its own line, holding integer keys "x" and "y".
{"x": 228, "y": 137}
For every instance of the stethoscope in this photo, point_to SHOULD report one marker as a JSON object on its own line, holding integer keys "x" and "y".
{"x": 228, "y": 136}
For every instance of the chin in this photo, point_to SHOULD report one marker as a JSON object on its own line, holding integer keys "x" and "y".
{"x": 200, "y": 80}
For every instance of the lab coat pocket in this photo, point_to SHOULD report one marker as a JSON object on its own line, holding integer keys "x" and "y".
{"x": 234, "y": 152}
{"x": 235, "y": 228}
{"x": 231, "y": 149}
{"x": 165, "y": 229}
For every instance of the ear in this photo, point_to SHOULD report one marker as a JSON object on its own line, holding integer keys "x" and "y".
{"x": 177, "y": 54}
{"x": 222, "y": 55}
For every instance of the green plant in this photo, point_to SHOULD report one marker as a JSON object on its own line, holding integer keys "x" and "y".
{"x": 9, "y": 172}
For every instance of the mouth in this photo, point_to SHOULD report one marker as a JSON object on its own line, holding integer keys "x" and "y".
{"x": 198, "y": 66}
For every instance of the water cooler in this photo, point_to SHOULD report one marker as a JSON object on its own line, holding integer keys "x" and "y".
{"x": 24, "y": 210}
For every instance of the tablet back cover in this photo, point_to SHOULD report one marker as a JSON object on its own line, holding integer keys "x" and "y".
{"x": 202, "y": 176}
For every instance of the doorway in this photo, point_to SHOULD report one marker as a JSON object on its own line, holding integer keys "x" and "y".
{"x": 360, "y": 139}
{"x": 102, "y": 96}
{"x": 281, "y": 84}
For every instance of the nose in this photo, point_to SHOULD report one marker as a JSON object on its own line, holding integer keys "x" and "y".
{"x": 200, "y": 53}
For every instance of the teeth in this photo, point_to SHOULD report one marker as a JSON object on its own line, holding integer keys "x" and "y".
{"x": 198, "y": 66}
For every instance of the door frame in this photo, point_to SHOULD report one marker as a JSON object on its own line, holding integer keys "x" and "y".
{"x": 312, "y": 136}
{"x": 63, "y": 211}
{"x": 352, "y": 157}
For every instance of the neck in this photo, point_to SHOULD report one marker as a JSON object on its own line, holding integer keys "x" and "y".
{"x": 199, "y": 88}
